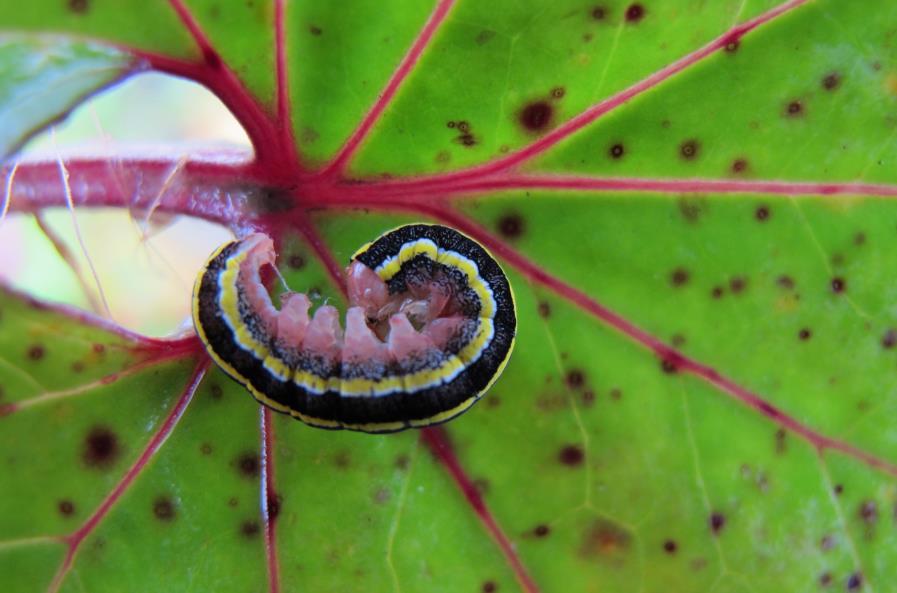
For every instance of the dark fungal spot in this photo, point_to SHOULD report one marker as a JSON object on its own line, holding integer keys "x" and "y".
{"x": 616, "y": 394}
{"x": 481, "y": 485}
{"x": 77, "y": 366}
{"x": 511, "y": 226}
{"x": 250, "y": 529}
{"x": 604, "y": 538}
{"x": 599, "y": 13}
{"x": 739, "y": 165}
{"x": 544, "y": 309}
{"x": 678, "y": 340}
{"x": 839, "y": 489}
{"x": 794, "y": 108}
{"x": 66, "y": 507}
{"x": 558, "y": 92}
{"x": 868, "y": 512}
{"x": 717, "y": 292}
{"x": 738, "y": 284}
{"x": 571, "y": 455}
{"x": 205, "y": 449}
{"x": 296, "y": 261}
{"x": 717, "y": 521}
{"x": 785, "y": 281}
{"x": 78, "y": 6}
{"x": 101, "y": 448}
{"x": 36, "y": 352}
{"x": 690, "y": 209}
{"x": 668, "y": 365}
{"x": 825, "y": 579}
{"x": 484, "y": 37}
{"x": 689, "y": 149}
{"x": 635, "y": 13}
{"x": 732, "y": 46}
{"x": 315, "y": 30}
{"x": 248, "y": 464}
{"x": 163, "y": 509}
{"x": 855, "y": 581}
{"x": 342, "y": 459}
{"x": 233, "y": 501}
{"x": 839, "y": 285}
{"x": 99, "y": 348}
{"x": 215, "y": 391}
{"x": 536, "y": 116}
{"x": 781, "y": 441}
{"x": 670, "y": 546}
{"x": 831, "y": 81}
{"x": 617, "y": 151}
{"x": 490, "y": 587}
{"x": 275, "y": 503}
{"x": 402, "y": 462}
{"x": 679, "y": 277}
{"x": 805, "y": 334}
{"x": 889, "y": 340}
{"x": 588, "y": 397}
{"x": 541, "y": 530}
{"x": 762, "y": 213}
{"x": 827, "y": 542}
{"x": 859, "y": 239}
{"x": 575, "y": 378}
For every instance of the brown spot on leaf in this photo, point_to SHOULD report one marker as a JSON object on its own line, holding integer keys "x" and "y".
{"x": 36, "y": 352}
{"x": 599, "y": 13}
{"x": 827, "y": 542}
{"x": 66, "y": 507}
{"x": 571, "y": 455}
{"x": 78, "y": 6}
{"x": 99, "y": 348}
{"x": 805, "y": 334}
{"x": 205, "y": 449}
{"x": 690, "y": 210}
{"x": 296, "y": 261}
{"x": 825, "y": 579}
{"x": 737, "y": 284}
{"x": 762, "y": 213}
{"x": 617, "y": 151}
{"x": 717, "y": 292}
{"x": 855, "y": 581}
{"x": 536, "y": 116}
{"x": 511, "y": 226}
{"x": 781, "y": 441}
{"x": 839, "y": 285}
{"x": 786, "y": 282}
{"x": 541, "y": 530}
{"x": 248, "y": 464}
{"x": 250, "y": 529}
{"x": 544, "y": 309}
{"x": 739, "y": 165}
{"x": 616, "y": 394}
{"x": 689, "y": 149}
{"x": 794, "y": 108}
{"x": 558, "y": 92}
{"x": 604, "y": 538}
{"x": 490, "y": 587}
{"x": 575, "y": 378}
{"x": 101, "y": 448}
{"x": 635, "y": 13}
{"x": 679, "y": 277}
{"x": 215, "y": 391}
{"x": 889, "y": 340}
{"x": 839, "y": 489}
{"x": 831, "y": 81}
{"x": 732, "y": 46}
{"x": 868, "y": 512}
{"x": 77, "y": 366}
{"x": 163, "y": 509}
{"x": 275, "y": 504}
{"x": 315, "y": 30}
{"x": 859, "y": 239}
{"x": 484, "y": 37}
{"x": 342, "y": 459}
{"x": 717, "y": 521}
{"x": 670, "y": 546}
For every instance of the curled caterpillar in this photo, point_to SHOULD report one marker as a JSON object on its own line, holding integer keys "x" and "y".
{"x": 430, "y": 326}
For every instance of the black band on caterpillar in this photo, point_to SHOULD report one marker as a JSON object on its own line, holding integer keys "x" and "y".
{"x": 430, "y": 327}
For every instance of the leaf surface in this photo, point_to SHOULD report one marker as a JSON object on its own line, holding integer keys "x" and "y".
{"x": 692, "y": 201}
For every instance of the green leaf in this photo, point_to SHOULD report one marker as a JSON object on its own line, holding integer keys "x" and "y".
{"x": 694, "y": 204}
{"x": 46, "y": 76}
